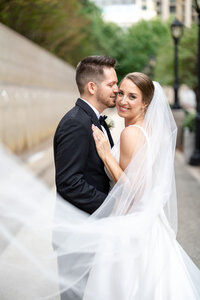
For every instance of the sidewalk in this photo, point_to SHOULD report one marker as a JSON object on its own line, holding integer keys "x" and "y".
{"x": 188, "y": 196}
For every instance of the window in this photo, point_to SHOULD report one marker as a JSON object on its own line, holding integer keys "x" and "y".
{"x": 172, "y": 9}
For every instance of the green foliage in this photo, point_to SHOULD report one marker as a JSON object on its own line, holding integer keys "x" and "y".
{"x": 189, "y": 121}
{"x": 165, "y": 63}
{"x": 187, "y": 55}
{"x": 73, "y": 29}
{"x": 142, "y": 41}
{"x": 56, "y": 25}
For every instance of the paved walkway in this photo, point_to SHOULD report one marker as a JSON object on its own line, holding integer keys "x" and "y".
{"x": 188, "y": 192}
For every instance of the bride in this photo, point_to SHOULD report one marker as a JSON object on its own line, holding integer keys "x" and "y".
{"x": 127, "y": 249}
{"x": 141, "y": 258}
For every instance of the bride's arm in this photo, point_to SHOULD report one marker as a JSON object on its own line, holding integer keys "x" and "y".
{"x": 103, "y": 149}
{"x": 127, "y": 145}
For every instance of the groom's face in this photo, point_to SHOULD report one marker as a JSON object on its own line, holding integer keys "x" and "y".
{"x": 107, "y": 89}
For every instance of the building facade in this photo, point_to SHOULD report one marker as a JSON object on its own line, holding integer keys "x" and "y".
{"x": 182, "y": 9}
{"x": 127, "y": 12}
{"x": 103, "y": 3}
{"x": 131, "y": 11}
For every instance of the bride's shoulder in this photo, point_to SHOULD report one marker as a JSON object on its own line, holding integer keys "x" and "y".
{"x": 129, "y": 138}
{"x": 130, "y": 132}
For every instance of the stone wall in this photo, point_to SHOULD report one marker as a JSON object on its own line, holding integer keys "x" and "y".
{"x": 36, "y": 89}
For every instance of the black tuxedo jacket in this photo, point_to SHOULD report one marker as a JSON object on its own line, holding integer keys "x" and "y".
{"x": 80, "y": 175}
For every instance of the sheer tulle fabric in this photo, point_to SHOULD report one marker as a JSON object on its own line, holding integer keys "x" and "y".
{"x": 126, "y": 250}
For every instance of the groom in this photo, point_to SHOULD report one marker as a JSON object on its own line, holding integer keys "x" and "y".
{"x": 80, "y": 175}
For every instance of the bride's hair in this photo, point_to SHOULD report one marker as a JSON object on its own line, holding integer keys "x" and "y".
{"x": 144, "y": 83}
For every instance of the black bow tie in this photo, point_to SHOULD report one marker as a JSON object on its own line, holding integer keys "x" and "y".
{"x": 102, "y": 120}
{"x": 105, "y": 125}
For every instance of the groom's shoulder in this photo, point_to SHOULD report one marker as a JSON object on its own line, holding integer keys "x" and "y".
{"x": 75, "y": 115}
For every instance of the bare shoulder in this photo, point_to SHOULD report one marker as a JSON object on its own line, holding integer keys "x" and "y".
{"x": 129, "y": 134}
{"x": 129, "y": 139}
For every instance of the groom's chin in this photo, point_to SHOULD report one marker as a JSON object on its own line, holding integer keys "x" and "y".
{"x": 112, "y": 104}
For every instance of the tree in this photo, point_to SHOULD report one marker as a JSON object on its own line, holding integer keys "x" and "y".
{"x": 188, "y": 58}
{"x": 53, "y": 24}
{"x": 101, "y": 38}
{"x": 142, "y": 41}
{"x": 187, "y": 54}
{"x": 73, "y": 29}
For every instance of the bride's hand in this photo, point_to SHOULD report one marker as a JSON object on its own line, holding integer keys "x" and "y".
{"x": 102, "y": 143}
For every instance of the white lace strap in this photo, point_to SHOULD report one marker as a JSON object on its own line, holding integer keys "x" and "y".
{"x": 142, "y": 129}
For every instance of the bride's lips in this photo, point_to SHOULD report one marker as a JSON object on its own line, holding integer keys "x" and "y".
{"x": 122, "y": 109}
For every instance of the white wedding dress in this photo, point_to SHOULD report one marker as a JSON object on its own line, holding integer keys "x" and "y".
{"x": 126, "y": 250}
{"x": 161, "y": 271}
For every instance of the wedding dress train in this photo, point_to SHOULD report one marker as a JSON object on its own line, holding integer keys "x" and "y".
{"x": 161, "y": 271}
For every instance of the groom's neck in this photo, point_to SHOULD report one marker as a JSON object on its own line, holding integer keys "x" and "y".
{"x": 94, "y": 103}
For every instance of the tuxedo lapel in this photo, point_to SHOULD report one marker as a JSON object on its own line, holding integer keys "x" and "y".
{"x": 94, "y": 118}
{"x": 89, "y": 111}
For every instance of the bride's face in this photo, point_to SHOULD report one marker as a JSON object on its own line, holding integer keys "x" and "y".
{"x": 129, "y": 101}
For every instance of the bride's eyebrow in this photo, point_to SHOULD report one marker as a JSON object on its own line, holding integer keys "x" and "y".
{"x": 133, "y": 94}
{"x": 130, "y": 93}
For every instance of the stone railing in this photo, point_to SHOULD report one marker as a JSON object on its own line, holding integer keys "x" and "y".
{"x": 36, "y": 89}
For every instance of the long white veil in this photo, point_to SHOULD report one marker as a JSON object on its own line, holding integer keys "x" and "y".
{"x": 96, "y": 253}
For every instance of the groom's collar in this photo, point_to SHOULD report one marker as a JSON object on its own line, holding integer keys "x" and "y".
{"x": 93, "y": 108}
{"x": 89, "y": 110}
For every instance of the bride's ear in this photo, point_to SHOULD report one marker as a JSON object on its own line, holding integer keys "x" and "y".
{"x": 91, "y": 87}
{"x": 145, "y": 107}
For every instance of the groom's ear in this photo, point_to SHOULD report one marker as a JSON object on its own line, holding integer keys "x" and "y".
{"x": 91, "y": 87}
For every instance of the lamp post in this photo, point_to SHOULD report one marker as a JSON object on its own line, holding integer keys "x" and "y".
{"x": 176, "y": 31}
{"x": 195, "y": 159}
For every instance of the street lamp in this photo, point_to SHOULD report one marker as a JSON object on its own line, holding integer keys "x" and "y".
{"x": 176, "y": 31}
{"x": 195, "y": 159}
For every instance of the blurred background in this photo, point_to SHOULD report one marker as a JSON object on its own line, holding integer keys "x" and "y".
{"x": 41, "y": 42}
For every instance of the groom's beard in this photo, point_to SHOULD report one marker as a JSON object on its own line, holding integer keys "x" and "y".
{"x": 107, "y": 100}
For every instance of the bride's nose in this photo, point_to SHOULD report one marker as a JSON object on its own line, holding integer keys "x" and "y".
{"x": 123, "y": 99}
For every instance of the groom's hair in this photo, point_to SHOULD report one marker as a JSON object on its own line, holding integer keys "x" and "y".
{"x": 91, "y": 68}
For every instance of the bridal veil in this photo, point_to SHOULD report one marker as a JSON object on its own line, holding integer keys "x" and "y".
{"x": 120, "y": 252}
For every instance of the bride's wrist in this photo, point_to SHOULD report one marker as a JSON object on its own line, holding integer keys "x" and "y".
{"x": 107, "y": 157}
